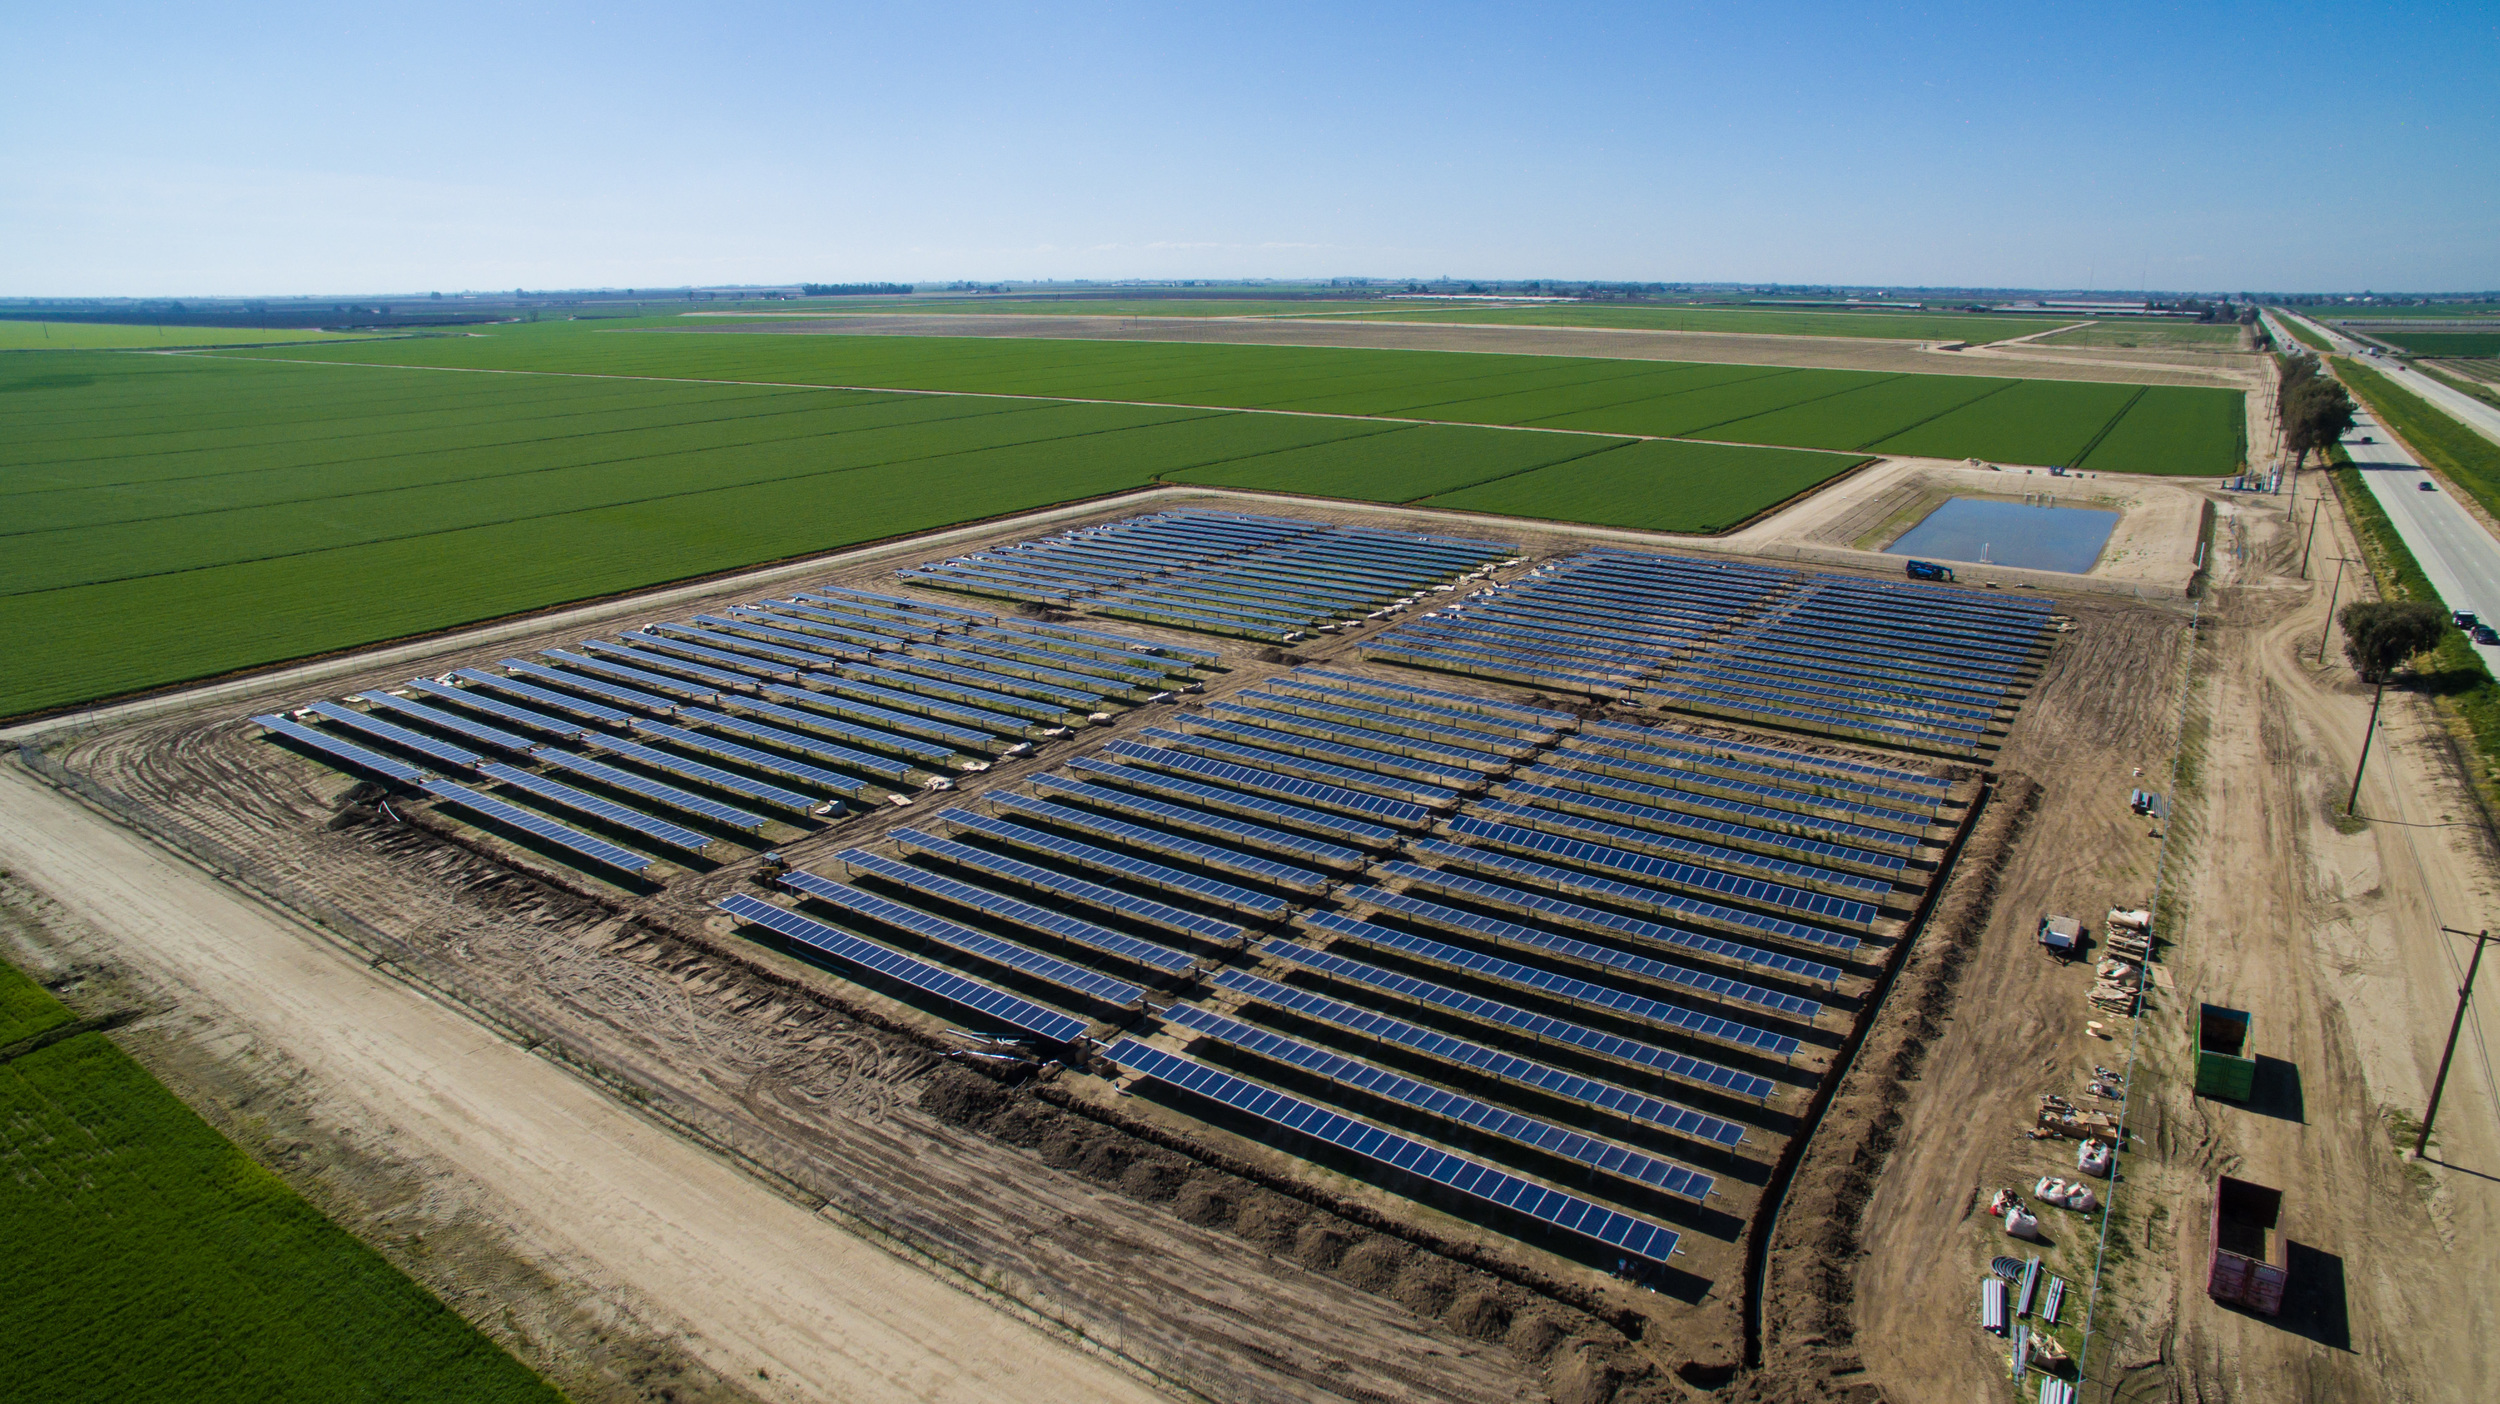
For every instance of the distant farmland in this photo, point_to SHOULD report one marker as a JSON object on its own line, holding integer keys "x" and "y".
{"x": 1662, "y": 399}
{"x": 104, "y": 336}
{"x": 1771, "y": 321}
{"x": 2433, "y": 343}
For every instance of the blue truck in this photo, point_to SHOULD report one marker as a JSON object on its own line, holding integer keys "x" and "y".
{"x": 1928, "y": 570}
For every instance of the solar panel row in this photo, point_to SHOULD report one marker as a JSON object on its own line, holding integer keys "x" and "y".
{"x": 988, "y": 1000}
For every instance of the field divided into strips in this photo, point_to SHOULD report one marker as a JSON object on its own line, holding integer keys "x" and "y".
{"x": 1660, "y": 399}
{"x": 168, "y": 519}
{"x": 106, "y": 336}
{"x": 1750, "y": 321}
{"x": 2435, "y": 343}
{"x": 148, "y": 1258}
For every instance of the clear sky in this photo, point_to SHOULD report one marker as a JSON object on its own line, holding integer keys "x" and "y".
{"x": 160, "y": 149}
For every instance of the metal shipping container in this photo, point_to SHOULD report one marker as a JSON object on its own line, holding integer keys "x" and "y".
{"x": 2221, "y": 1040}
{"x": 2247, "y": 1267}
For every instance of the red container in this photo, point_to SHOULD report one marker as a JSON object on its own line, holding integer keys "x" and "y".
{"x": 2247, "y": 1266}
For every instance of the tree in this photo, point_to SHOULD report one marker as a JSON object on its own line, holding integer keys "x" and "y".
{"x": 2380, "y": 637}
{"x": 2313, "y": 410}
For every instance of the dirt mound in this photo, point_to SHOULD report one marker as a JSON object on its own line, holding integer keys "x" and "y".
{"x": 1479, "y": 1312}
{"x": 1582, "y": 1372}
{"x": 1533, "y": 1337}
{"x": 1208, "y": 1200}
{"x": 1270, "y": 1220}
{"x": 961, "y": 1096}
{"x": 1374, "y": 1263}
{"x": 1321, "y": 1244}
{"x": 1426, "y": 1286}
{"x": 1154, "y": 1177}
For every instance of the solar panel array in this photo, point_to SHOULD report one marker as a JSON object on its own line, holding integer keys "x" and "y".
{"x": 1924, "y": 667}
{"x": 777, "y": 712}
{"x": 1481, "y": 963}
{"x": 1270, "y": 578}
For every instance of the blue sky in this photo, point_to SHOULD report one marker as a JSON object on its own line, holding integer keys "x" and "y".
{"x": 274, "y": 148}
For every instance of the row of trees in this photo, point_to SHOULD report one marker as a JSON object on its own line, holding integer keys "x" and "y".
{"x": 2313, "y": 409}
{"x": 855, "y": 289}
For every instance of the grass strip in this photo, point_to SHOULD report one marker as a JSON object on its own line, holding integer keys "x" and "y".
{"x": 2454, "y": 674}
{"x": 2300, "y": 332}
{"x": 26, "y": 1008}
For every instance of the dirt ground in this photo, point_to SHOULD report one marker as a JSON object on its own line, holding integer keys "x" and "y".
{"x": 2325, "y": 930}
{"x": 1728, "y": 348}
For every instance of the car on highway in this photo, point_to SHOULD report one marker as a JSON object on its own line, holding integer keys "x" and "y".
{"x": 2426, "y": 485}
{"x": 2485, "y": 634}
{"x": 2464, "y": 618}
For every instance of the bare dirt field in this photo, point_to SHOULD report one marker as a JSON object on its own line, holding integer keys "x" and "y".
{"x": 1727, "y": 348}
{"x": 625, "y": 1117}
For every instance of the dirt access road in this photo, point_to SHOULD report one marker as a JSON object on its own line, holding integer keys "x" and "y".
{"x": 2328, "y": 933}
{"x": 789, "y": 1305}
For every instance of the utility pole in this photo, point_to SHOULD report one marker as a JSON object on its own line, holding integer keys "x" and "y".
{"x": 2439, "y": 1084}
{"x": 2330, "y": 608}
{"x": 2312, "y": 538}
{"x": 2355, "y": 797}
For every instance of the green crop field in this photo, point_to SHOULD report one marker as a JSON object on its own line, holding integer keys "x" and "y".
{"x": 106, "y": 336}
{"x": 1772, "y": 321}
{"x": 1655, "y": 484}
{"x": 1095, "y": 306}
{"x": 174, "y": 518}
{"x": 147, "y": 1258}
{"x": 2190, "y": 336}
{"x": 2429, "y": 343}
{"x": 1650, "y": 398}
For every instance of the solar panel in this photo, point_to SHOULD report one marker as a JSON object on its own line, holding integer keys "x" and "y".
{"x": 1676, "y": 694}
{"x": 471, "y": 728}
{"x": 946, "y": 984}
{"x": 823, "y": 625}
{"x": 1155, "y": 840}
{"x": 530, "y": 821}
{"x": 1083, "y": 855}
{"x": 1491, "y": 1062}
{"x": 883, "y": 767}
{"x": 1078, "y": 689}
{"x": 996, "y": 683}
{"x": 1740, "y": 835}
{"x": 1478, "y": 1182}
{"x": 1632, "y": 894}
{"x": 685, "y": 801}
{"x": 1507, "y": 933}
{"x": 1533, "y": 722}
{"x": 997, "y": 950}
{"x": 1467, "y": 1111}
{"x": 397, "y": 735}
{"x": 1553, "y": 908}
{"x": 1647, "y": 840}
{"x": 1291, "y": 760}
{"x": 1042, "y": 879}
{"x": 736, "y": 650}
{"x": 1759, "y": 792}
{"x": 1350, "y": 735}
{"x": 1041, "y": 712}
{"x": 1256, "y": 835}
{"x": 1062, "y": 657}
{"x": 1489, "y": 750}
{"x": 641, "y": 677}
{"x": 814, "y": 721}
{"x": 1005, "y": 908}
{"x": 348, "y": 751}
{"x": 1534, "y": 1025}
{"x": 878, "y": 717}
{"x": 1181, "y": 652}
{"x": 765, "y": 761}
{"x": 917, "y": 704}
{"x": 744, "y": 621}
{"x": 498, "y": 708}
{"x": 1136, "y": 777}
{"x": 714, "y": 776}
{"x": 1691, "y": 1022}
{"x": 663, "y": 664}
{"x": 583, "y": 802}
{"x": 1667, "y": 870}
{"x": 1556, "y": 772}
{"x": 546, "y": 697}
{"x": 1398, "y": 812}
{"x": 1744, "y": 760}
{"x": 837, "y": 595}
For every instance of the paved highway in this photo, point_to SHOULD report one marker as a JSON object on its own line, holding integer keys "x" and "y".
{"x": 2482, "y": 418}
{"x": 2462, "y": 559}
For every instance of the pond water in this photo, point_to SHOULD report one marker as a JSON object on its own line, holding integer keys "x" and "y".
{"x": 2067, "y": 539}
